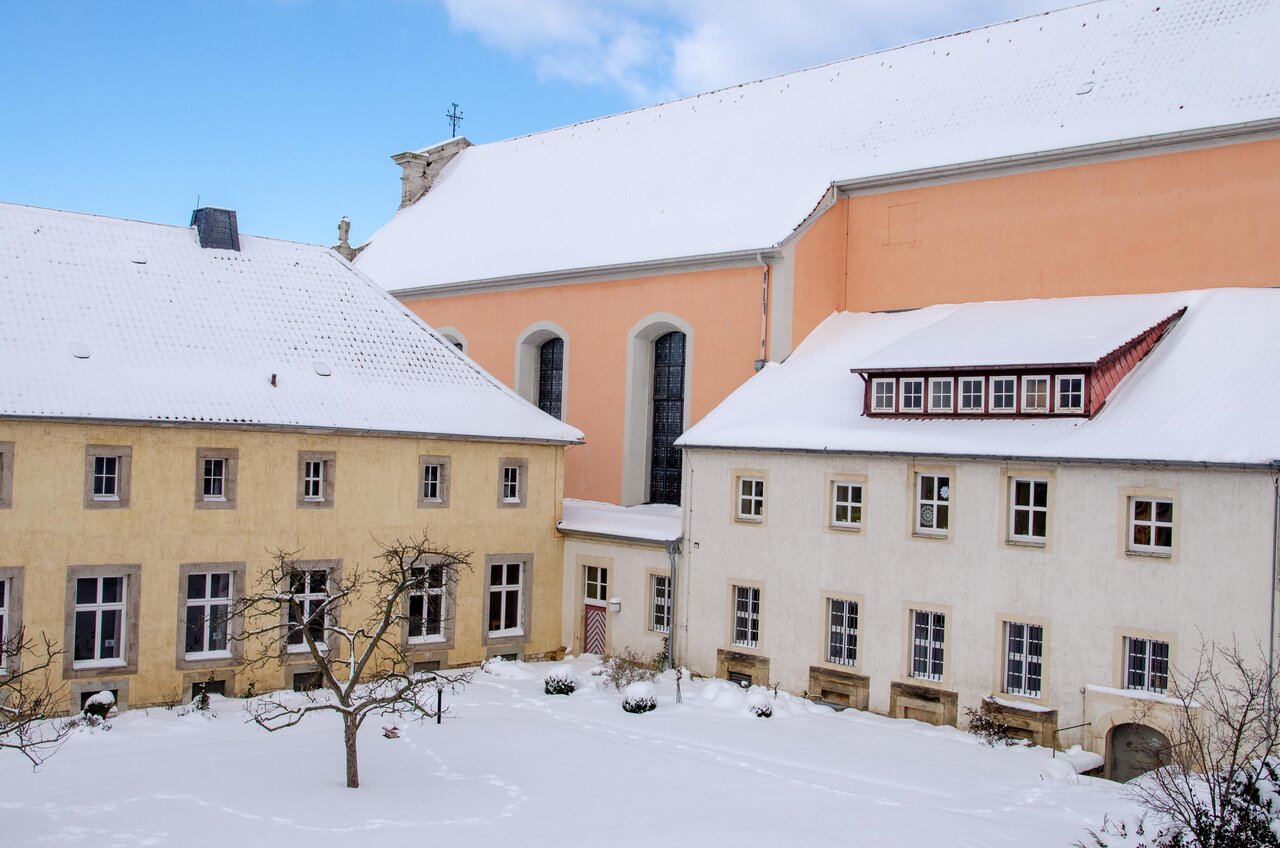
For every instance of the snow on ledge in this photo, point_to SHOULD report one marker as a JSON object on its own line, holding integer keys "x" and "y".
{"x": 1020, "y": 705}
{"x": 1139, "y": 695}
{"x": 647, "y": 522}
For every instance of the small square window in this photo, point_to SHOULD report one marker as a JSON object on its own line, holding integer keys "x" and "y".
{"x": 972, "y": 394}
{"x": 750, "y": 499}
{"x": 933, "y": 504}
{"x": 941, "y": 390}
{"x": 512, "y": 482}
{"x": 316, "y": 472}
{"x": 1151, "y": 525}
{"x": 846, "y": 504}
{"x": 1028, "y": 509}
{"x": 1004, "y": 394}
{"x": 107, "y": 472}
{"x": 883, "y": 395}
{"x": 1070, "y": 393}
{"x": 1035, "y": 394}
{"x": 912, "y": 394}
{"x": 216, "y": 478}
{"x": 433, "y": 481}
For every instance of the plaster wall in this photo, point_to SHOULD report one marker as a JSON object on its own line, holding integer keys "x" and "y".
{"x": 630, "y": 567}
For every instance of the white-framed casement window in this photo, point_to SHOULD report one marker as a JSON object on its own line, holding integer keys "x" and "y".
{"x": 506, "y": 597}
{"x": 846, "y": 504}
{"x": 842, "y": 631}
{"x": 106, "y": 478}
{"x": 313, "y": 480}
{"x": 1146, "y": 665}
{"x": 883, "y": 394}
{"x": 1028, "y": 509}
{"x": 214, "y": 479}
{"x": 511, "y": 484}
{"x": 1004, "y": 394}
{"x": 912, "y": 399}
{"x": 941, "y": 394}
{"x": 933, "y": 504}
{"x": 1023, "y": 658}
{"x": 660, "y": 603}
{"x": 1151, "y": 525}
{"x": 310, "y": 590}
{"x": 316, "y": 477}
{"x": 208, "y": 621}
{"x": 928, "y": 639}
{"x": 750, "y": 499}
{"x": 428, "y": 603}
{"x": 596, "y": 583}
{"x": 746, "y": 616}
{"x": 972, "y": 394}
{"x": 431, "y": 482}
{"x": 100, "y": 621}
{"x": 1035, "y": 394}
{"x": 1070, "y": 393}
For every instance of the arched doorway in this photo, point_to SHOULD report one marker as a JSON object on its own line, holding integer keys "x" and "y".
{"x": 1135, "y": 749}
{"x": 668, "y": 418}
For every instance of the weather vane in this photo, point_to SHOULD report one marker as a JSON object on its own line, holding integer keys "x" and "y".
{"x": 455, "y": 118}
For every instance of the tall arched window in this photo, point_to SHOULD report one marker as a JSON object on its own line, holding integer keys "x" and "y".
{"x": 551, "y": 376}
{"x": 668, "y": 418}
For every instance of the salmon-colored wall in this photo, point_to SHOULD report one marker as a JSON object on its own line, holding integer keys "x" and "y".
{"x": 819, "y": 277}
{"x": 1168, "y": 222}
{"x": 722, "y": 306}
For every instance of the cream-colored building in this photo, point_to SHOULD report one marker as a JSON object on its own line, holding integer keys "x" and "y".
{"x": 862, "y": 524}
{"x": 179, "y": 403}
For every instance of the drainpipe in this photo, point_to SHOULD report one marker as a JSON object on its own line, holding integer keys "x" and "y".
{"x": 673, "y": 548}
{"x": 1275, "y": 566}
{"x": 764, "y": 312}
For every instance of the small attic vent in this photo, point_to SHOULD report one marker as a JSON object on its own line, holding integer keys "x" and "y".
{"x": 322, "y": 368}
{"x": 216, "y": 228}
{"x": 79, "y": 350}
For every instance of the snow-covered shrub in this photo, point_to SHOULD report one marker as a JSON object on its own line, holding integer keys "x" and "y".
{"x": 984, "y": 724}
{"x": 201, "y": 700}
{"x": 627, "y": 667}
{"x": 758, "y": 705}
{"x": 640, "y": 698}
{"x": 100, "y": 705}
{"x": 560, "y": 680}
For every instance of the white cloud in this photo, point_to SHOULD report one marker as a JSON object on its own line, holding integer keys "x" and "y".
{"x": 656, "y": 49}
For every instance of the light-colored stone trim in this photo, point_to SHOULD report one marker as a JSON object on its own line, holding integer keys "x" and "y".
{"x": 330, "y": 460}
{"x": 738, "y": 475}
{"x": 302, "y": 657}
{"x": 930, "y": 704}
{"x": 824, "y": 630}
{"x": 1129, "y": 492}
{"x": 841, "y": 688}
{"x": 124, "y": 476}
{"x": 914, "y": 470}
{"x": 132, "y": 611}
{"x": 92, "y": 687}
{"x": 6, "y": 475}
{"x": 516, "y": 642}
{"x": 434, "y": 648}
{"x": 755, "y": 666}
{"x": 733, "y": 613}
{"x": 528, "y": 346}
{"x": 1119, "y": 659}
{"x": 1001, "y": 650}
{"x": 234, "y": 640}
{"x": 828, "y": 520}
{"x": 231, "y": 469}
{"x": 446, "y": 470}
{"x": 522, "y": 484}
{"x": 1007, "y": 476}
{"x": 908, "y": 642}
{"x": 637, "y": 426}
{"x": 13, "y": 620}
{"x": 453, "y": 336}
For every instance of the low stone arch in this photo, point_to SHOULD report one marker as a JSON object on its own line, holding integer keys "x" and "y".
{"x": 455, "y": 337}
{"x": 1134, "y": 748}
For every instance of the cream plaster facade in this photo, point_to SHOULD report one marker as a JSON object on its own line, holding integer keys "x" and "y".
{"x": 631, "y": 569}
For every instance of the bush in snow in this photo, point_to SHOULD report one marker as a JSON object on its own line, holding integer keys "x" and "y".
{"x": 984, "y": 724}
{"x": 640, "y": 698}
{"x": 758, "y": 705}
{"x": 560, "y": 681}
{"x": 623, "y": 669}
{"x": 99, "y": 705}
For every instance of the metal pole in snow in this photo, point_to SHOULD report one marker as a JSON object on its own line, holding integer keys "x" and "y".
{"x": 439, "y": 700}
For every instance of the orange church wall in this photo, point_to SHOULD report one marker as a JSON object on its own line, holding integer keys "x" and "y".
{"x": 722, "y": 306}
{"x": 1186, "y": 220}
{"x": 819, "y": 272}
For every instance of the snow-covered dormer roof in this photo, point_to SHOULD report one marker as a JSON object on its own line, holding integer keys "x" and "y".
{"x": 737, "y": 170}
{"x": 116, "y": 320}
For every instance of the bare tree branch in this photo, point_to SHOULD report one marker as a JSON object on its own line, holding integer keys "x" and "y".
{"x": 28, "y": 697}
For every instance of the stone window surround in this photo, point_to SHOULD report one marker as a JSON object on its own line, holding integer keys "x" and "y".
{"x": 302, "y": 656}
{"x": 236, "y": 646}
{"x": 914, "y": 470}
{"x": 124, "y": 475}
{"x": 528, "y": 349}
{"x": 1149, "y": 493}
{"x": 824, "y": 631}
{"x": 1007, "y": 475}
{"x": 132, "y": 610}
{"x": 1001, "y": 652}
{"x": 826, "y": 681}
{"x": 193, "y": 678}
{"x": 13, "y": 618}
{"x": 740, "y": 474}
{"x": 743, "y": 662}
{"x": 230, "y": 470}
{"x": 637, "y": 427}
{"x": 908, "y": 642}
{"x": 522, "y": 483}
{"x": 446, "y": 470}
{"x": 856, "y": 479}
{"x": 1120, "y": 661}
{"x": 419, "y": 648}
{"x": 84, "y": 687}
{"x": 330, "y": 460}
{"x": 732, "y": 586}
{"x": 514, "y": 643}
{"x": 6, "y": 475}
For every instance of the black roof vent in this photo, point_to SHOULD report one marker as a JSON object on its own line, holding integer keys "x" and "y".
{"x": 217, "y": 228}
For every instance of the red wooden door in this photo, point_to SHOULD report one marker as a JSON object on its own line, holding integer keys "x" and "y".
{"x": 593, "y": 622}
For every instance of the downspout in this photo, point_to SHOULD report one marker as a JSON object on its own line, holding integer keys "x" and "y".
{"x": 764, "y": 313}
{"x": 673, "y": 548}
{"x": 1275, "y": 572}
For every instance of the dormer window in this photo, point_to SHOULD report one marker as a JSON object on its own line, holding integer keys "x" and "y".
{"x": 972, "y": 394}
{"x": 941, "y": 397}
{"x": 1070, "y": 394}
{"x": 1035, "y": 394}
{"x": 912, "y": 395}
{"x": 883, "y": 395}
{"x": 1004, "y": 394}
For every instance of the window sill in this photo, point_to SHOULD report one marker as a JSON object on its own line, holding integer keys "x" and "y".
{"x": 106, "y": 499}
{"x": 845, "y": 528}
{"x": 1152, "y": 554}
{"x": 427, "y": 640}
{"x": 746, "y": 646}
{"x": 749, "y": 519}
{"x": 208, "y": 655}
{"x": 931, "y": 534}
{"x": 84, "y": 665}
{"x": 506, "y": 634}
{"x": 1027, "y": 543}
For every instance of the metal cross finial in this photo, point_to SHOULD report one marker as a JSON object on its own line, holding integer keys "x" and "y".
{"x": 455, "y": 118}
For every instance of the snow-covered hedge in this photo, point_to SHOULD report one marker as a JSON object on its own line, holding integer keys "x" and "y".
{"x": 640, "y": 698}
{"x": 100, "y": 704}
{"x": 560, "y": 680}
{"x": 758, "y": 705}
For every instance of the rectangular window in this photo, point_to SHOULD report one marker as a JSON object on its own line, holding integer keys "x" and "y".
{"x": 510, "y": 484}
{"x": 912, "y": 394}
{"x": 1029, "y": 509}
{"x": 428, "y": 603}
{"x": 842, "y": 631}
{"x": 1070, "y": 395}
{"x": 1151, "y": 525}
{"x": 6, "y": 475}
{"x": 316, "y": 479}
{"x": 313, "y": 480}
{"x": 505, "y": 597}
{"x": 208, "y": 603}
{"x": 940, "y": 394}
{"x": 105, "y": 478}
{"x": 597, "y": 583}
{"x": 971, "y": 394}
{"x": 746, "y": 616}
{"x": 927, "y": 640}
{"x": 215, "y": 479}
{"x": 933, "y": 504}
{"x": 883, "y": 395}
{"x": 1023, "y": 658}
{"x": 99, "y": 621}
{"x": 1004, "y": 395}
{"x": 310, "y": 591}
{"x": 1035, "y": 394}
{"x": 750, "y": 498}
{"x": 660, "y": 603}
{"x": 431, "y": 482}
{"x": 846, "y": 504}
{"x": 1146, "y": 665}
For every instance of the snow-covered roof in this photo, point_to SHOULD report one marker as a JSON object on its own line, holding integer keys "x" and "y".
{"x": 740, "y": 168}
{"x": 1198, "y": 397}
{"x": 647, "y": 522}
{"x": 176, "y": 333}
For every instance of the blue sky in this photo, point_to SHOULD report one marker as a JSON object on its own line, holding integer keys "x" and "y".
{"x": 287, "y": 110}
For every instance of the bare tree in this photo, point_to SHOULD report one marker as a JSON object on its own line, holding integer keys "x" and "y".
{"x": 363, "y": 667}
{"x": 28, "y": 696}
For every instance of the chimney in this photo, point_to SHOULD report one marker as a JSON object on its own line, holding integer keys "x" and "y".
{"x": 216, "y": 228}
{"x": 421, "y": 167}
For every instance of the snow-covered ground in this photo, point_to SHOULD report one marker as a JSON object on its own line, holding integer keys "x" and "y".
{"x": 512, "y": 766}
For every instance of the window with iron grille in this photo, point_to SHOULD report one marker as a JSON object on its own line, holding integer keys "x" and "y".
{"x": 208, "y": 603}
{"x": 551, "y": 376}
{"x": 746, "y": 616}
{"x": 310, "y": 591}
{"x": 660, "y": 603}
{"x": 933, "y": 504}
{"x": 1029, "y": 509}
{"x": 428, "y": 603}
{"x": 842, "y": 631}
{"x": 928, "y": 638}
{"x": 1146, "y": 665}
{"x": 668, "y": 418}
{"x": 1023, "y": 658}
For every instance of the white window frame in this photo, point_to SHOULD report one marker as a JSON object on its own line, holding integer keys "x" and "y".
{"x": 940, "y": 500}
{"x": 424, "y": 595}
{"x": 511, "y": 484}
{"x": 991, "y": 395}
{"x": 211, "y": 480}
{"x": 660, "y": 603}
{"x": 595, "y": 580}
{"x": 1030, "y": 508}
{"x": 101, "y": 477}
{"x": 1152, "y": 525}
{"x": 1057, "y": 393}
{"x": 431, "y": 482}
{"x": 928, "y": 645}
{"x": 309, "y": 600}
{"x": 1148, "y": 671}
{"x": 876, "y": 384}
{"x": 500, "y": 590}
{"x": 917, "y": 383}
{"x": 746, "y": 616}
{"x": 1023, "y": 650}
{"x": 98, "y": 608}
{"x": 1027, "y": 383}
{"x": 842, "y": 632}
{"x": 206, "y": 604}
{"x": 750, "y": 501}
{"x": 950, "y": 384}
{"x": 982, "y": 395}
{"x": 853, "y": 503}
{"x": 313, "y": 480}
